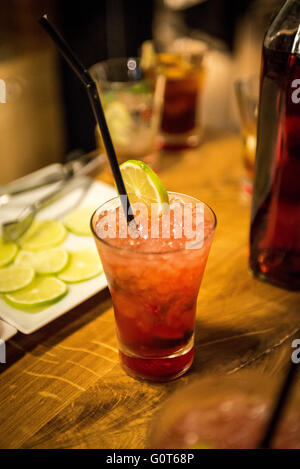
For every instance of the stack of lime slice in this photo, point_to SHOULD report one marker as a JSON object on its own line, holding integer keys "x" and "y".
{"x": 83, "y": 265}
{"x": 20, "y": 286}
{"x": 42, "y": 291}
{"x": 15, "y": 277}
{"x": 43, "y": 234}
{"x": 49, "y": 261}
{"x": 78, "y": 221}
{"x": 7, "y": 252}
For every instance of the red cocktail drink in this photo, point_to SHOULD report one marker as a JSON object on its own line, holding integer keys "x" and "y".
{"x": 154, "y": 282}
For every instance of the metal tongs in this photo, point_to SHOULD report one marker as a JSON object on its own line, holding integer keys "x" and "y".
{"x": 66, "y": 178}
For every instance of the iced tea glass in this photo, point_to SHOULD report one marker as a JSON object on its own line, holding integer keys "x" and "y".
{"x": 154, "y": 284}
{"x": 182, "y": 66}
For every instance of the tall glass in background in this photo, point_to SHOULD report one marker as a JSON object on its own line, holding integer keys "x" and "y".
{"x": 247, "y": 94}
{"x": 275, "y": 223}
{"x": 132, "y": 107}
{"x": 154, "y": 288}
{"x": 183, "y": 68}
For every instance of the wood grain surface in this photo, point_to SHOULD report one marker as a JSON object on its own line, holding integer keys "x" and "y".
{"x": 63, "y": 387}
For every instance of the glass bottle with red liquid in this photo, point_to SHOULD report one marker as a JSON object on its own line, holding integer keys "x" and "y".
{"x": 275, "y": 220}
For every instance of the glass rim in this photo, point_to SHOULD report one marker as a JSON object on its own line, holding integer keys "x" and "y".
{"x": 114, "y": 61}
{"x": 128, "y": 250}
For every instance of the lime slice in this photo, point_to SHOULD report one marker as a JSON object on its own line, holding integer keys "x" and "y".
{"x": 14, "y": 277}
{"x": 43, "y": 234}
{"x": 143, "y": 184}
{"x": 78, "y": 221}
{"x": 108, "y": 97}
{"x": 49, "y": 261}
{"x": 83, "y": 265}
{"x": 119, "y": 122}
{"x": 42, "y": 291}
{"x": 140, "y": 88}
{"x": 7, "y": 252}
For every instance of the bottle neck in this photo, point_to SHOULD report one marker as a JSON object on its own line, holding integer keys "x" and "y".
{"x": 284, "y": 32}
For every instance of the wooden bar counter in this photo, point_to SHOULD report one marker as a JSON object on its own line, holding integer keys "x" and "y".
{"x": 63, "y": 387}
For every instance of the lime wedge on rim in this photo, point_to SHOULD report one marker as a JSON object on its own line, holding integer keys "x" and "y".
{"x": 83, "y": 265}
{"x": 43, "y": 234}
{"x": 7, "y": 252}
{"x": 49, "y": 261}
{"x": 78, "y": 221}
{"x": 14, "y": 277}
{"x": 42, "y": 291}
{"x": 143, "y": 184}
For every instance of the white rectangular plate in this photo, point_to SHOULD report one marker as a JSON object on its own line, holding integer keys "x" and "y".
{"x": 6, "y": 331}
{"x": 95, "y": 195}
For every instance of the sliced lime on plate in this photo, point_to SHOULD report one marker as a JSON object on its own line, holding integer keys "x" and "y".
{"x": 143, "y": 184}
{"x": 7, "y": 252}
{"x": 14, "y": 277}
{"x": 78, "y": 221}
{"x": 49, "y": 261}
{"x": 83, "y": 265}
{"x": 43, "y": 234}
{"x": 41, "y": 292}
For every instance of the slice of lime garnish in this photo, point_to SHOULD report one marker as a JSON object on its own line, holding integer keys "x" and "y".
{"x": 83, "y": 265}
{"x": 143, "y": 184}
{"x": 42, "y": 291}
{"x": 43, "y": 234}
{"x": 78, "y": 221}
{"x": 49, "y": 261}
{"x": 7, "y": 252}
{"x": 14, "y": 277}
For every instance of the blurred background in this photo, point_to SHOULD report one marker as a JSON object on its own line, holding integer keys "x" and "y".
{"x": 47, "y": 114}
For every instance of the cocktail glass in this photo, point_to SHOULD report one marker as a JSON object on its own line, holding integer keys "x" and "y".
{"x": 154, "y": 284}
{"x": 224, "y": 412}
{"x": 132, "y": 107}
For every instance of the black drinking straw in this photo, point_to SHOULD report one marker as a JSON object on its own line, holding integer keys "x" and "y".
{"x": 279, "y": 407}
{"x": 85, "y": 77}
